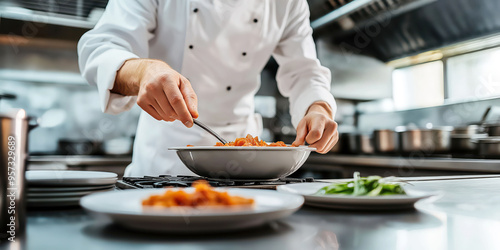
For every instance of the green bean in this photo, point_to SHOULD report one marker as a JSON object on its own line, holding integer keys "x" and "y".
{"x": 363, "y": 186}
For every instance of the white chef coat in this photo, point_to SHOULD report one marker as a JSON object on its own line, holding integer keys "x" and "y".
{"x": 221, "y": 46}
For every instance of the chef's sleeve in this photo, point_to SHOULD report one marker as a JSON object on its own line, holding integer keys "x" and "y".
{"x": 122, "y": 33}
{"x": 300, "y": 75}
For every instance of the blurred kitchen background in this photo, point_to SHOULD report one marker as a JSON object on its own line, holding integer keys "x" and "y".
{"x": 422, "y": 64}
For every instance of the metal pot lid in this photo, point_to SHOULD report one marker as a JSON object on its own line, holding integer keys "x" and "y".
{"x": 469, "y": 136}
{"x": 466, "y": 128}
{"x": 404, "y": 128}
{"x": 383, "y": 130}
{"x": 440, "y": 128}
{"x": 491, "y": 139}
{"x": 487, "y": 125}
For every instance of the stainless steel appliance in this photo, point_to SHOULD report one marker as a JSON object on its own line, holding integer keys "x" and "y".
{"x": 428, "y": 141}
{"x": 493, "y": 129}
{"x": 467, "y": 130}
{"x": 365, "y": 143}
{"x": 464, "y": 143}
{"x": 358, "y": 143}
{"x": 385, "y": 141}
{"x": 14, "y": 127}
{"x": 489, "y": 147}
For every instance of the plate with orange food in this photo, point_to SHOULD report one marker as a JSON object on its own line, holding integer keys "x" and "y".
{"x": 200, "y": 208}
{"x": 244, "y": 158}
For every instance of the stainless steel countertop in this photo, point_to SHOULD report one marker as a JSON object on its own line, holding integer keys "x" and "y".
{"x": 435, "y": 163}
{"x": 467, "y": 216}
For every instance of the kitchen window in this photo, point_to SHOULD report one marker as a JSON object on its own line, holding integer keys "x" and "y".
{"x": 474, "y": 75}
{"x": 471, "y": 76}
{"x": 418, "y": 86}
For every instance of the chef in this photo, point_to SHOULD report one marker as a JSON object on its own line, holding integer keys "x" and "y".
{"x": 186, "y": 59}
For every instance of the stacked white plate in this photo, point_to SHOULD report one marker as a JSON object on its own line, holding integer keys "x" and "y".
{"x": 65, "y": 188}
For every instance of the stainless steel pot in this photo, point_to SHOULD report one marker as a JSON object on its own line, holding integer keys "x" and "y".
{"x": 66, "y": 146}
{"x": 467, "y": 130}
{"x": 428, "y": 141}
{"x": 358, "y": 143}
{"x": 473, "y": 128}
{"x": 493, "y": 129}
{"x": 385, "y": 141}
{"x": 489, "y": 147}
{"x": 14, "y": 128}
{"x": 365, "y": 144}
{"x": 352, "y": 143}
{"x": 464, "y": 143}
{"x": 339, "y": 147}
{"x": 118, "y": 146}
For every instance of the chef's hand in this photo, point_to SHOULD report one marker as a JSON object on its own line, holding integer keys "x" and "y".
{"x": 318, "y": 128}
{"x": 161, "y": 91}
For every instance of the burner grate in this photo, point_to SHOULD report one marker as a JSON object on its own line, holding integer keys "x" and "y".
{"x": 163, "y": 181}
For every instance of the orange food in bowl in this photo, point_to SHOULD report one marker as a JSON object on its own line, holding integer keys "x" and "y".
{"x": 251, "y": 141}
{"x": 204, "y": 195}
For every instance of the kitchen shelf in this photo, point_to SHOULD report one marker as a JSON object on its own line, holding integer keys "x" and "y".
{"x": 36, "y": 76}
{"x": 430, "y": 163}
{"x": 81, "y": 160}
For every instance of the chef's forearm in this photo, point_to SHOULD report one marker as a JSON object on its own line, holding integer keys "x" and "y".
{"x": 128, "y": 78}
{"x": 321, "y": 106}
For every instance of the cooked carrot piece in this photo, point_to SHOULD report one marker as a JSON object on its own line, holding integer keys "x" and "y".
{"x": 278, "y": 144}
{"x": 240, "y": 142}
{"x": 203, "y": 195}
{"x": 251, "y": 141}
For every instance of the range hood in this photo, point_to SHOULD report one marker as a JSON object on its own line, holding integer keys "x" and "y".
{"x": 388, "y": 31}
{"x": 351, "y": 13}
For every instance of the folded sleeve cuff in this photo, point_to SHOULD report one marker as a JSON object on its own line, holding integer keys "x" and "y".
{"x": 306, "y": 99}
{"x": 112, "y": 61}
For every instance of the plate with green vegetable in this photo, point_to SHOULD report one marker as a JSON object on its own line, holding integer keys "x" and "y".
{"x": 360, "y": 193}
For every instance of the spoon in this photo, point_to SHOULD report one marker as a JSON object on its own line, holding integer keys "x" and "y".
{"x": 209, "y": 130}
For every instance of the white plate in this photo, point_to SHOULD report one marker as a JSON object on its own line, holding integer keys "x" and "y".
{"x": 243, "y": 162}
{"x": 68, "y": 189}
{"x": 125, "y": 208}
{"x": 59, "y": 200}
{"x": 64, "y": 194}
{"x": 53, "y": 202}
{"x": 387, "y": 202}
{"x": 69, "y": 178}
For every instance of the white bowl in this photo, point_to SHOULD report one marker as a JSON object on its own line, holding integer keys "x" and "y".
{"x": 243, "y": 162}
